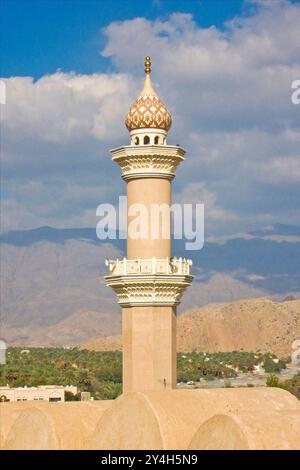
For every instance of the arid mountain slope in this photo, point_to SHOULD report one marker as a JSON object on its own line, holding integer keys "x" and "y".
{"x": 249, "y": 325}
{"x": 72, "y": 331}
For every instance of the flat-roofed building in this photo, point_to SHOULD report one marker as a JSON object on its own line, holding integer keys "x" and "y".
{"x": 53, "y": 393}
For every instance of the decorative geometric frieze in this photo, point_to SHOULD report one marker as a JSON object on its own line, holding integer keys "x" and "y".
{"x": 173, "y": 266}
{"x": 153, "y": 290}
{"x": 153, "y": 281}
{"x": 148, "y": 161}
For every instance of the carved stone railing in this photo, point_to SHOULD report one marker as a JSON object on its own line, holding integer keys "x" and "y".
{"x": 167, "y": 266}
{"x": 142, "y": 282}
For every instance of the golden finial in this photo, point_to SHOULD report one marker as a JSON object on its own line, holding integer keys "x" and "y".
{"x": 148, "y": 65}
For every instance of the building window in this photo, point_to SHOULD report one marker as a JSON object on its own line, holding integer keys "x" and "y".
{"x": 156, "y": 138}
{"x": 136, "y": 141}
{"x": 146, "y": 140}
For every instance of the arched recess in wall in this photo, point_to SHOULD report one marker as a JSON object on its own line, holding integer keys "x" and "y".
{"x": 4, "y": 398}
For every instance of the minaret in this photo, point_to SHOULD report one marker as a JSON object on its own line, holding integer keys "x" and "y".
{"x": 149, "y": 282}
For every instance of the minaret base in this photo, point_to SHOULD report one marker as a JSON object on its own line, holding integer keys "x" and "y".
{"x": 149, "y": 348}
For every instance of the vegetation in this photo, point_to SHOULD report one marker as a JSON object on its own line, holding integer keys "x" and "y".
{"x": 101, "y": 372}
{"x": 97, "y": 372}
{"x": 196, "y": 365}
{"x": 291, "y": 385}
{"x": 69, "y": 396}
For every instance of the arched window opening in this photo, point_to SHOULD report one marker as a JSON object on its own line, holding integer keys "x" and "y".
{"x": 136, "y": 141}
{"x": 146, "y": 140}
{"x": 156, "y": 139}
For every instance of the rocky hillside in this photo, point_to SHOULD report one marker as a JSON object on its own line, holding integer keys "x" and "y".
{"x": 71, "y": 331}
{"x": 249, "y": 325}
{"x": 49, "y": 274}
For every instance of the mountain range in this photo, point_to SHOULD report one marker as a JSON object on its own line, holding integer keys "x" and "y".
{"x": 52, "y": 280}
{"x": 258, "y": 325}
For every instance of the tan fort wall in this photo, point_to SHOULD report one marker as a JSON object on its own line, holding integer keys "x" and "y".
{"x": 256, "y": 430}
{"x": 170, "y": 419}
{"x": 257, "y": 418}
{"x": 49, "y": 426}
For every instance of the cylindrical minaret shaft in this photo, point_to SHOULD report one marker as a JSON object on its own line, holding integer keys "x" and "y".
{"x": 153, "y": 195}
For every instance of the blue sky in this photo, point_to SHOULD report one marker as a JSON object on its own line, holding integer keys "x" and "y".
{"x": 41, "y": 36}
{"x": 224, "y": 68}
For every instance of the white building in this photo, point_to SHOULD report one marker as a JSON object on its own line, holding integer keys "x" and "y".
{"x": 52, "y": 393}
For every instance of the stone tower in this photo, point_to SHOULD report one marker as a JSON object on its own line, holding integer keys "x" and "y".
{"x": 149, "y": 282}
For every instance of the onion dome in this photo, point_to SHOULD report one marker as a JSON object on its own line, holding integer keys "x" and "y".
{"x": 148, "y": 111}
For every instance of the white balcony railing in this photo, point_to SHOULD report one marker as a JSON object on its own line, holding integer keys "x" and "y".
{"x": 172, "y": 266}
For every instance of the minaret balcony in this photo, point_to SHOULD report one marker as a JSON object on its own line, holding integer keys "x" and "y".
{"x": 149, "y": 281}
{"x": 146, "y": 161}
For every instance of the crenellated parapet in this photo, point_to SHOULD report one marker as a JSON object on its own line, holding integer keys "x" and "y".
{"x": 168, "y": 266}
{"x": 145, "y": 282}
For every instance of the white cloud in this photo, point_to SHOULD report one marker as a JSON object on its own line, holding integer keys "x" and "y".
{"x": 284, "y": 169}
{"x": 197, "y": 193}
{"x": 65, "y": 106}
{"x": 15, "y": 215}
{"x": 238, "y": 78}
{"x": 230, "y": 94}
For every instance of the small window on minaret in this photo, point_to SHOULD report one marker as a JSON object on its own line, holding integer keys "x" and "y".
{"x": 146, "y": 140}
{"x": 156, "y": 139}
{"x": 136, "y": 141}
